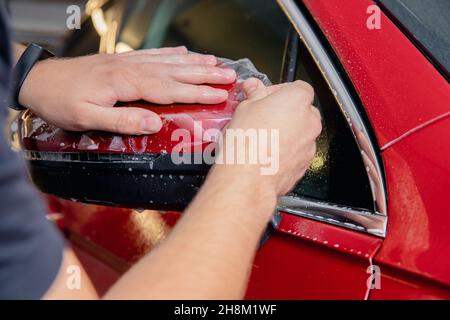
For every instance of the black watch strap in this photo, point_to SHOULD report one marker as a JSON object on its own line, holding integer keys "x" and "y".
{"x": 30, "y": 56}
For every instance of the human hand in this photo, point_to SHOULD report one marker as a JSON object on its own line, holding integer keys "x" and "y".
{"x": 288, "y": 109}
{"x": 79, "y": 94}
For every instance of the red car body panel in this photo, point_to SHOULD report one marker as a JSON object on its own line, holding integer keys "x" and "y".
{"x": 395, "y": 286}
{"x": 419, "y": 221}
{"x": 101, "y": 274}
{"x": 399, "y": 88}
{"x": 306, "y": 259}
{"x": 393, "y": 80}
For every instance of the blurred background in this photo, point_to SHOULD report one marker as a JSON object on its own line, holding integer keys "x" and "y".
{"x": 41, "y": 21}
{"x": 235, "y": 29}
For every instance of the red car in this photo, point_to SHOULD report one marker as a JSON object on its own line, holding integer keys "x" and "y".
{"x": 370, "y": 219}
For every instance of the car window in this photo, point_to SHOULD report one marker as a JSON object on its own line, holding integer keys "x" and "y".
{"x": 337, "y": 173}
{"x": 254, "y": 29}
{"x": 257, "y": 29}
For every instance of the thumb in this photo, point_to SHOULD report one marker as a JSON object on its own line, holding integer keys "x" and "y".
{"x": 254, "y": 89}
{"x": 125, "y": 120}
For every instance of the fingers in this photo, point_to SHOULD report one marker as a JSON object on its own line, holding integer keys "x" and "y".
{"x": 276, "y": 87}
{"x": 174, "y": 50}
{"x": 134, "y": 121}
{"x": 169, "y": 91}
{"x": 202, "y": 74}
{"x": 254, "y": 89}
{"x": 298, "y": 95}
{"x": 169, "y": 55}
{"x": 130, "y": 84}
{"x": 298, "y": 85}
{"x": 168, "y": 75}
{"x": 298, "y": 91}
{"x": 192, "y": 58}
{"x": 185, "y": 73}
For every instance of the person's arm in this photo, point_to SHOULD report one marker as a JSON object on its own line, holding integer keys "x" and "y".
{"x": 79, "y": 94}
{"x": 208, "y": 255}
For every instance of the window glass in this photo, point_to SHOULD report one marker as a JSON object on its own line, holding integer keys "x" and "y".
{"x": 337, "y": 173}
{"x": 257, "y": 29}
{"x": 254, "y": 29}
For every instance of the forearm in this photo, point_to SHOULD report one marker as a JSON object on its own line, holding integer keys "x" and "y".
{"x": 209, "y": 253}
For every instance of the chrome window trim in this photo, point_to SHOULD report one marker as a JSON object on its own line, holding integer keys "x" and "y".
{"x": 351, "y": 218}
{"x": 377, "y": 220}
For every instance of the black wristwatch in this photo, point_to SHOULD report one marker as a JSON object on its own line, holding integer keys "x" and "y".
{"x": 30, "y": 56}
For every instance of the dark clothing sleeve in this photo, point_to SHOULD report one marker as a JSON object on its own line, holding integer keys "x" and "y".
{"x": 31, "y": 248}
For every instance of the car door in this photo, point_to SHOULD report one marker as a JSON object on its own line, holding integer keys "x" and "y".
{"x": 331, "y": 228}
{"x": 334, "y": 220}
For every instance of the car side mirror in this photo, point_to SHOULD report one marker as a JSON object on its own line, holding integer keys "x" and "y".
{"x": 162, "y": 171}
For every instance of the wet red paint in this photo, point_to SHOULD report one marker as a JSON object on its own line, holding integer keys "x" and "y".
{"x": 398, "y": 86}
{"x": 307, "y": 259}
{"x": 400, "y": 90}
{"x": 300, "y": 261}
{"x": 419, "y": 222}
{"x": 125, "y": 233}
{"x": 398, "y": 287}
{"x": 343, "y": 240}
